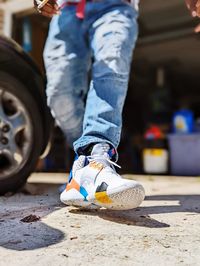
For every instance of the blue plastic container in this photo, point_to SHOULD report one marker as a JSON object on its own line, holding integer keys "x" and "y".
{"x": 183, "y": 122}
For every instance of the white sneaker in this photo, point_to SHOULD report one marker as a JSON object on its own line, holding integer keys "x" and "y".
{"x": 95, "y": 183}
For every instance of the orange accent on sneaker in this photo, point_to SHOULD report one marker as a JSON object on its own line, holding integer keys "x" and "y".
{"x": 97, "y": 166}
{"x": 73, "y": 184}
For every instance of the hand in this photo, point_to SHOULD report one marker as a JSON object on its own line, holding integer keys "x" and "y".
{"x": 192, "y": 6}
{"x": 198, "y": 8}
{"x": 197, "y": 28}
{"x": 49, "y": 9}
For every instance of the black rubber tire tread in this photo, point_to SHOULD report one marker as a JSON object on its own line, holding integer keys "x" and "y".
{"x": 14, "y": 86}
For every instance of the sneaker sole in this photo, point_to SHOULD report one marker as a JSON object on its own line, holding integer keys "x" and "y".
{"x": 81, "y": 204}
{"x": 125, "y": 198}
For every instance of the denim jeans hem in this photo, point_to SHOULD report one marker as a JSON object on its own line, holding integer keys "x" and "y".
{"x": 90, "y": 140}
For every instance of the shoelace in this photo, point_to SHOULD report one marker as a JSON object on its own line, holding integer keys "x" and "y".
{"x": 96, "y": 158}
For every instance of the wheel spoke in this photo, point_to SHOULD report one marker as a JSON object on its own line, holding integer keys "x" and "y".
{"x": 13, "y": 154}
{"x": 18, "y": 122}
{"x": 16, "y": 141}
{"x": 10, "y": 158}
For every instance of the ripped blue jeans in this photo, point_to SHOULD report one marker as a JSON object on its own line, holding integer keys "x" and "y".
{"x": 87, "y": 64}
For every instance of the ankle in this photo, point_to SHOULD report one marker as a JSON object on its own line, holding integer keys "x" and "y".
{"x": 92, "y": 148}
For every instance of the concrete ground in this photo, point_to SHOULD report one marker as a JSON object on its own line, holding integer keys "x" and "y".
{"x": 165, "y": 230}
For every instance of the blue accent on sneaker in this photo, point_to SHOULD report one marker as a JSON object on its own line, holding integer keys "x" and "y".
{"x": 62, "y": 187}
{"x": 86, "y": 161}
{"x": 112, "y": 153}
{"x": 83, "y": 192}
{"x": 70, "y": 174}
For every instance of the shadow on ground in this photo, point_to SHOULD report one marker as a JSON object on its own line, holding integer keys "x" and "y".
{"x": 187, "y": 203}
{"x": 141, "y": 216}
{"x": 41, "y": 200}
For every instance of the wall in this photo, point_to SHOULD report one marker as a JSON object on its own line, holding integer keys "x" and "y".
{"x": 7, "y": 9}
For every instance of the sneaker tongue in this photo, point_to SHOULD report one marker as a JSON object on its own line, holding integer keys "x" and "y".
{"x": 100, "y": 149}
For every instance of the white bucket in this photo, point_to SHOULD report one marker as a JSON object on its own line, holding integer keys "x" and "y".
{"x": 155, "y": 161}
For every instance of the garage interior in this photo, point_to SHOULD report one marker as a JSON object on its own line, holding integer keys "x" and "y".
{"x": 164, "y": 79}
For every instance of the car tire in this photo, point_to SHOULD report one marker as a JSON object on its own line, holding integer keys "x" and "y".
{"x": 21, "y": 134}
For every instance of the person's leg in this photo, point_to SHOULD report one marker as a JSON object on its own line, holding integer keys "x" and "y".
{"x": 95, "y": 181}
{"x": 112, "y": 38}
{"x": 66, "y": 57}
